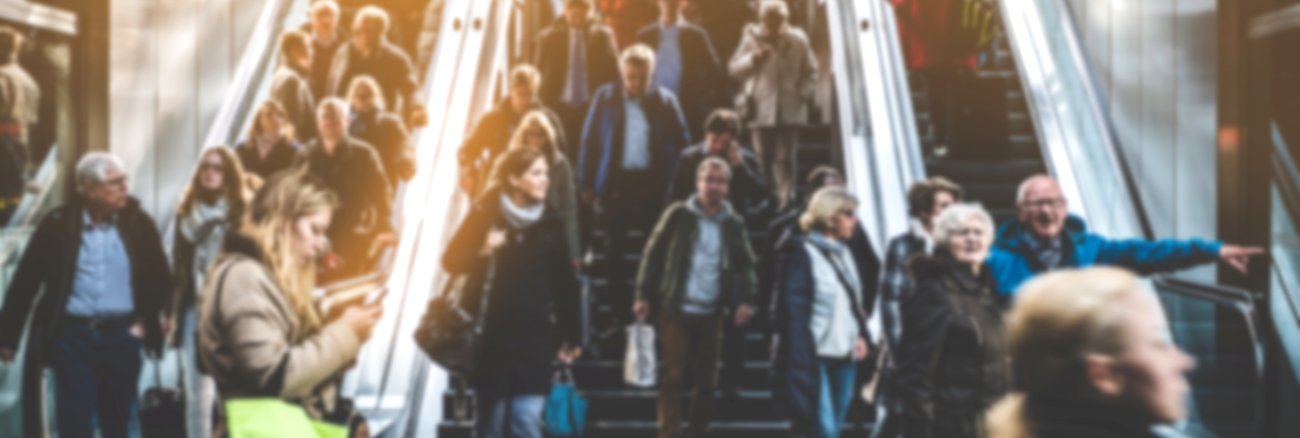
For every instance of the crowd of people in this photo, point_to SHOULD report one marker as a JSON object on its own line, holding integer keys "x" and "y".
{"x": 624, "y": 134}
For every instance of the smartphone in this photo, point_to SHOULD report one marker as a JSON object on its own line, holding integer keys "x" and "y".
{"x": 376, "y": 297}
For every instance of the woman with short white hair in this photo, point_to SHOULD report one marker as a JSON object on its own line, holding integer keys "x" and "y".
{"x": 819, "y": 319}
{"x": 951, "y": 358}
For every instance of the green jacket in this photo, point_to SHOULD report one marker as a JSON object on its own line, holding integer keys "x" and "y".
{"x": 666, "y": 261}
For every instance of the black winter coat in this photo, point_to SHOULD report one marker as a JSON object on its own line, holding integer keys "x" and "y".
{"x": 531, "y": 289}
{"x": 748, "y": 191}
{"x": 355, "y": 173}
{"x": 952, "y": 362}
{"x": 796, "y": 375}
{"x": 552, "y": 59}
{"x": 50, "y": 264}
{"x": 388, "y": 65}
{"x": 387, "y": 134}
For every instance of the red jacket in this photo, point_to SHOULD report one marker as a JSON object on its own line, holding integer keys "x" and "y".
{"x": 924, "y": 27}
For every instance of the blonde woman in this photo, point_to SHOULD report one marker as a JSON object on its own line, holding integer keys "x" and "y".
{"x": 383, "y": 130}
{"x": 270, "y": 146}
{"x": 538, "y": 131}
{"x": 819, "y": 319}
{"x": 951, "y": 355}
{"x": 259, "y": 332}
{"x": 211, "y": 206}
{"x": 1091, "y": 356}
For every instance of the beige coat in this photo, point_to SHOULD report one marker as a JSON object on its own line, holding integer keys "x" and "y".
{"x": 782, "y": 85}
{"x": 247, "y": 332}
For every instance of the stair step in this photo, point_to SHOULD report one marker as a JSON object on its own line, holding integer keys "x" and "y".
{"x": 608, "y": 374}
{"x": 648, "y": 429}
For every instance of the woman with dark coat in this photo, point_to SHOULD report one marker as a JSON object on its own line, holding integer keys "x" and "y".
{"x": 819, "y": 321}
{"x": 952, "y": 361}
{"x": 270, "y": 146}
{"x": 511, "y": 247}
{"x": 382, "y": 129}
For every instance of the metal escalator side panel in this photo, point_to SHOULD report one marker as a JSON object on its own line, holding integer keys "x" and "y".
{"x": 1075, "y": 135}
{"x": 876, "y": 121}
{"x": 393, "y": 382}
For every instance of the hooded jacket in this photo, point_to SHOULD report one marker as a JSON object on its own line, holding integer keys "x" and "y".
{"x": 1013, "y": 261}
{"x": 666, "y": 261}
{"x": 50, "y": 264}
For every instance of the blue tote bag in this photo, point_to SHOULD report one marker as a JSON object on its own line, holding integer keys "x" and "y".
{"x": 566, "y": 410}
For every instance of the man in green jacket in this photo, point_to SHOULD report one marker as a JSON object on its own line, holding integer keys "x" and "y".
{"x": 696, "y": 270}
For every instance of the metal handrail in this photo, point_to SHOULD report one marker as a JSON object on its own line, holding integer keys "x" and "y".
{"x": 876, "y": 121}
{"x": 1241, "y": 301}
{"x": 46, "y": 176}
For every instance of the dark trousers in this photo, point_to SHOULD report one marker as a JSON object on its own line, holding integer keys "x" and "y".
{"x": 733, "y": 356}
{"x": 13, "y": 161}
{"x": 631, "y": 204}
{"x": 688, "y": 342}
{"x": 96, "y": 378}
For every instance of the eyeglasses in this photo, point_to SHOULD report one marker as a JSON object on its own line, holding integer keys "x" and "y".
{"x": 1042, "y": 203}
{"x": 213, "y": 167}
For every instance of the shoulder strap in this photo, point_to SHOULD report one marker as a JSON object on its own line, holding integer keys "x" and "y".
{"x": 848, "y": 289}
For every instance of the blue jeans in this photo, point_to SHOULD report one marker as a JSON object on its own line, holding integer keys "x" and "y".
{"x": 838, "y": 376}
{"x": 96, "y": 375}
{"x": 517, "y": 416}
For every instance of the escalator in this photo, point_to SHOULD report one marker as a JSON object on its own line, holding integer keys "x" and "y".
{"x": 1057, "y": 126}
{"x": 617, "y": 410}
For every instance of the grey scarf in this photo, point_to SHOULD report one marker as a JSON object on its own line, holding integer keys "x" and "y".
{"x": 521, "y": 217}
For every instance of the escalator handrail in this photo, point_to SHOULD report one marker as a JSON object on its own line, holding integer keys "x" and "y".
{"x": 241, "y": 94}
{"x": 867, "y": 59}
{"x": 1059, "y": 124}
{"x": 1286, "y": 174}
{"x": 29, "y": 209}
{"x": 1241, "y": 301}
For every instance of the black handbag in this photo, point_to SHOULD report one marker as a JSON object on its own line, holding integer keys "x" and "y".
{"x": 162, "y": 409}
{"x": 449, "y": 333}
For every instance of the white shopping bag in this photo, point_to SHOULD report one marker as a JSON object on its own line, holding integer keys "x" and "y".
{"x": 639, "y": 359}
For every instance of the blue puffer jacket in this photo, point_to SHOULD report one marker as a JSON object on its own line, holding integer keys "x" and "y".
{"x": 1013, "y": 262}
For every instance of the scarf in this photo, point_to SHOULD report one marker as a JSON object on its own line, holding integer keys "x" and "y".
{"x": 521, "y": 217}
{"x": 205, "y": 228}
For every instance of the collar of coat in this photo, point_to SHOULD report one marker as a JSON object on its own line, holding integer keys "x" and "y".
{"x": 943, "y": 265}
{"x": 1012, "y": 235}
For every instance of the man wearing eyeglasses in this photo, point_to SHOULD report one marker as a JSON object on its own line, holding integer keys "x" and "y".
{"x": 98, "y": 266}
{"x": 1045, "y": 237}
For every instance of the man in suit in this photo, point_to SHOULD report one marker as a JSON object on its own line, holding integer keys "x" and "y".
{"x": 576, "y": 56}
{"x": 685, "y": 62}
{"x": 633, "y": 135}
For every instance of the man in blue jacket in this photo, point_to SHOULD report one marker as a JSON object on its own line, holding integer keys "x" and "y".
{"x": 631, "y": 139}
{"x": 1044, "y": 237}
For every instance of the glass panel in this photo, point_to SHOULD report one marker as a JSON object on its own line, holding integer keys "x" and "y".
{"x": 1071, "y": 121}
{"x": 46, "y": 56}
{"x": 1225, "y": 381}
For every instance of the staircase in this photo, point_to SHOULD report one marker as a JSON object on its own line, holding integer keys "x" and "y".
{"x": 990, "y": 180}
{"x": 618, "y": 410}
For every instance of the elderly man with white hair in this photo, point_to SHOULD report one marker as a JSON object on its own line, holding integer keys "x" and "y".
{"x": 351, "y": 168}
{"x": 1045, "y": 237}
{"x": 106, "y": 282}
